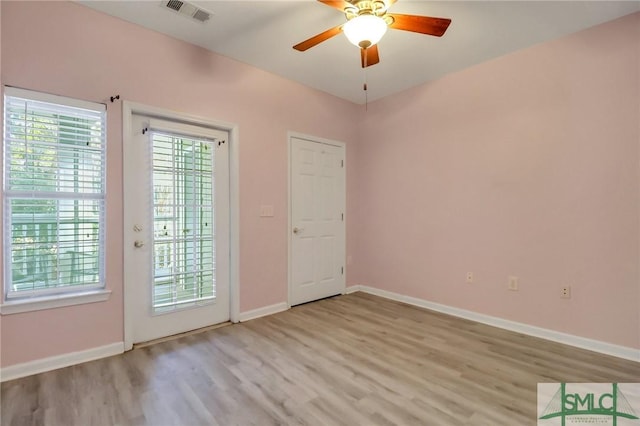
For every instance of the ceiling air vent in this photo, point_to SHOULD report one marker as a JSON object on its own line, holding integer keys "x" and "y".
{"x": 201, "y": 15}
{"x": 187, "y": 9}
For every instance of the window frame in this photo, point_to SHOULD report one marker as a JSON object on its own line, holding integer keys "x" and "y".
{"x": 63, "y": 294}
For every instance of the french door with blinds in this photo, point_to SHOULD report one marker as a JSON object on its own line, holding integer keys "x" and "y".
{"x": 176, "y": 226}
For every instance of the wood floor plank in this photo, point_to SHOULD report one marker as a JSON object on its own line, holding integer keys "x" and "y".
{"x": 349, "y": 360}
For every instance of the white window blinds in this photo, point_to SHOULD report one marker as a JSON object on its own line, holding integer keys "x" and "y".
{"x": 183, "y": 217}
{"x": 54, "y": 194}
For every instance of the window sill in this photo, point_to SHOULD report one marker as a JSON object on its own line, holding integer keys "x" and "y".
{"x": 52, "y": 302}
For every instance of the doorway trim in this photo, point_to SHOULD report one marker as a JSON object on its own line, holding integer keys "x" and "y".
{"x": 290, "y": 136}
{"x": 131, "y": 108}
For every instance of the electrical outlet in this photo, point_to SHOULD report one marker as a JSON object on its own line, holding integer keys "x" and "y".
{"x": 566, "y": 292}
{"x": 469, "y": 277}
{"x": 513, "y": 283}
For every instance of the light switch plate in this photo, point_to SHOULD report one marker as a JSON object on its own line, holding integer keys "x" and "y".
{"x": 266, "y": 211}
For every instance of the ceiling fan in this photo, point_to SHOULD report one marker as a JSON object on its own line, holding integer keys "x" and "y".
{"x": 368, "y": 20}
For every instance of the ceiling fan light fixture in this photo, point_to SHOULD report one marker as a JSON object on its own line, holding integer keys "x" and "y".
{"x": 365, "y": 30}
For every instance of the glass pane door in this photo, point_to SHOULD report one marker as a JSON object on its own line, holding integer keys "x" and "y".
{"x": 176, "y": 217}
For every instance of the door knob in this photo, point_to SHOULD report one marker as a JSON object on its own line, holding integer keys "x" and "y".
{"x": 297, "y": 230}
{"x": 138, "y": 243}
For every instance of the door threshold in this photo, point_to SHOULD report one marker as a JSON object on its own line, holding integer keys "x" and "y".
{"x": 317, "y": 300}
{"x": 179, "y": 335}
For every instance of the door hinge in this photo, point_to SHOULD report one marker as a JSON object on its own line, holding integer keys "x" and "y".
{"x": 341, "y": 163}
{"x": 342, "y": 217}
{"x": 342, "y": 270}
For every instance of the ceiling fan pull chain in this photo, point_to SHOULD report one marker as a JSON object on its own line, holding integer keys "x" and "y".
{"x": 366, "y": 98}
{"x": 366, "y": 93}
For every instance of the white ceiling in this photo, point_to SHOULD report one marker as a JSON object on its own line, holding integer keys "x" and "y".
{"x": 262, "y": 33}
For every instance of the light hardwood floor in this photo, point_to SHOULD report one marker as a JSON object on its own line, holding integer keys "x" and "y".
{"x": 349, "y": 360}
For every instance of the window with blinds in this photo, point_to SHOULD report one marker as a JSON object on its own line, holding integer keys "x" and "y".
{"x": 54, "y": 194}
{"x": 183, "y": 218}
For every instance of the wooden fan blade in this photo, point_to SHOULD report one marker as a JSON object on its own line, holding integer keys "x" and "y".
{"x": 420, "y": 24}
{"x": 317, "y": 39}
{"x": 336, "y": 4}
{"x": 369, "y": 56}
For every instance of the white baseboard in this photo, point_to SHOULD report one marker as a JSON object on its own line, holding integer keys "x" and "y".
{"x": 262, "y": 312}
{"x": 555, "y": 336}
{"x": 352, "y": 289}
{"x": 59, "y": 361}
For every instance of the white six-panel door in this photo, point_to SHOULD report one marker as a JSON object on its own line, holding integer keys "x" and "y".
{"x": 317, "y": 234}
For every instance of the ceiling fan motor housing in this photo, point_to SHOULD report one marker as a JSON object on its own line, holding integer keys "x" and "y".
{"x": 365, "y": 7}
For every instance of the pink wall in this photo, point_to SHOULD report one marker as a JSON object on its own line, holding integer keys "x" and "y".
{"x": 526, "y": 165}
{"x": 1, "y": 174}
{"x": 68, "y": 49}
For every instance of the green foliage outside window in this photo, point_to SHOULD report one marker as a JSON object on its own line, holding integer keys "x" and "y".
{"x": 54, "y": 194}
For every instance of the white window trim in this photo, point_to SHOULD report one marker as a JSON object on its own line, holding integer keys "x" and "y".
{"x": 55, "y": 301}
{"x": 54, "y": 99}
{"x": 15, "y": 305}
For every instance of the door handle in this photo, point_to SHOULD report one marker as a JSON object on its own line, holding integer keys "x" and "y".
{"x": 297, "y": 230}
{"x": 138, "y": 243}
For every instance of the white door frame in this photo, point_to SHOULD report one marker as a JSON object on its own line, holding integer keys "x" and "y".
{"x": 130, "y": 108}
{"x": 316, "y": 139}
